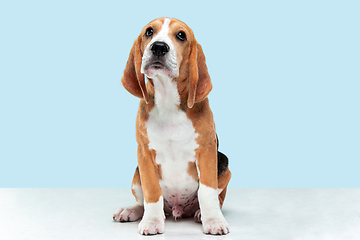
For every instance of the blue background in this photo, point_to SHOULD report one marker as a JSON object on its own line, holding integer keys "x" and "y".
{"x": 285, "y": 98}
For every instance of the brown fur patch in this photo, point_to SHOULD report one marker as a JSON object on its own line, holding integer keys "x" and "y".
{"x": 192, "y": 171}
{"x": 149, "y": 175}
{"x": 222, "y": 197}
{"x": 223, "y": 181}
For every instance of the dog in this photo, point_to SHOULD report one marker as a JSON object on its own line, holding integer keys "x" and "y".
{"x": 180, "y": 170}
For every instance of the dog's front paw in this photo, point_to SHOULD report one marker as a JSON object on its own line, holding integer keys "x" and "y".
{"x": 129, "y": 214}
{"x": 215, "y": 226}
{"x": 151, "y": 226}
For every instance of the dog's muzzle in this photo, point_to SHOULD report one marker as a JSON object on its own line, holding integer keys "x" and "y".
{"x": 159, "y": 60}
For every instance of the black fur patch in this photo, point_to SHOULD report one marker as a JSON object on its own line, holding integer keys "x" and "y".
{"x": 223, "y": 161}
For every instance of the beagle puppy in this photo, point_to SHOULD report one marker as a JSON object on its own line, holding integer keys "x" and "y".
{"x": 180, "y": 170}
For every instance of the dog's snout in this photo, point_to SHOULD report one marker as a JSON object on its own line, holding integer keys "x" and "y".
{"x": 159, "y": 49}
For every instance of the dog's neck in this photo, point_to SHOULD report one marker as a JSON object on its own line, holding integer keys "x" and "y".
{"x": 167, "y": 98}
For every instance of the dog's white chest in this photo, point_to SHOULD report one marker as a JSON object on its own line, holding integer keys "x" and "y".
{"x": 173, "y": 137}
{"x": 169, "y": 130}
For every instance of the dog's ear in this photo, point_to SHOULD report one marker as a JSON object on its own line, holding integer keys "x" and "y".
{"x": 199, "y": 79}
{"x": 133, "y": 80}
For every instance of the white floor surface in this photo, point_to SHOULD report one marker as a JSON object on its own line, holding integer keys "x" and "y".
{"x": 86, "y": 214}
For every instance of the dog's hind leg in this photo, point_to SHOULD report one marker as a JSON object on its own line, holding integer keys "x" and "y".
{"x": 135, "y": 212}
{"x": 223, "y": 181}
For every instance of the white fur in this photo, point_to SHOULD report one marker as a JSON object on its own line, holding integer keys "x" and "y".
{"x": 153, "y": 219}
{"x": 212, "y": 218}
{"x": 131, "y": 213}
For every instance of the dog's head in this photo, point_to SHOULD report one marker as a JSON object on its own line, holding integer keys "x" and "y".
{"x": 167, "y": 47}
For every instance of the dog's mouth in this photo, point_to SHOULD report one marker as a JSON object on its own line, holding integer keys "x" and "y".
{"x": 157, "y": 65}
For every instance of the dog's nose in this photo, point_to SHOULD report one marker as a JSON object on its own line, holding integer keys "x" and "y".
{"x": 159, "y": 49}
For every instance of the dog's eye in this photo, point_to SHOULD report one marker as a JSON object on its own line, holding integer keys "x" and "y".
{"x": 181, "y": 36}
{"x": 149, "y": 32}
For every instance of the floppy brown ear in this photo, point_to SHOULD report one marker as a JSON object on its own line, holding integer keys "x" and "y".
{"x": 133, "y": 80}
{"x": 199, "y": 79}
